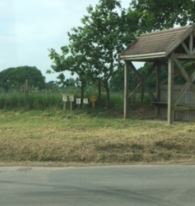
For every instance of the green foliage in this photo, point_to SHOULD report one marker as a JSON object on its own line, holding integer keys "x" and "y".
{"x": 108, "y": 27}
{"x": 72, "y": 59}
{"x": 15, "y": 78}
{"x": 61, "y": 80}
{"x": 156, "y": 14}
{"x": 117, "y": 80}
{"x": 31, "y": 101}
{"x": 94, "y": 48}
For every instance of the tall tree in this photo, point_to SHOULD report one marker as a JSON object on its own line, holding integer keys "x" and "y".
{"x": 94, "y": 48}
{"x": 108, "y": 29}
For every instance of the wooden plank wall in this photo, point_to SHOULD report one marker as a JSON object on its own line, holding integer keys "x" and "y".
{"x": 188, "y": 100}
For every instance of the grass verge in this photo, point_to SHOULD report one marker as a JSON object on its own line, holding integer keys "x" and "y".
{"x": 54, "y": 136}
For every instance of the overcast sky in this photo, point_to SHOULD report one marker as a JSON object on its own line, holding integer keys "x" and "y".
{"x": 28, "y": 28}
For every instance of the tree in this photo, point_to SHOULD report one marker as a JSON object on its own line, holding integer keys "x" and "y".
{"x": 103, "y": 24}
{"x": 94, "y": 48}
{"x": 107, "y": 29}
{"x": 14, "y": 78}
{"x": 155, "y": 14}
{"x": 71, "y": 59}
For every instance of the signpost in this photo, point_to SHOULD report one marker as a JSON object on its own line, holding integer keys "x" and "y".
{"x": 93, "y": 100}
{"x": 78, "y": 101}
{"x": 85, "y": 101}
{"x": 71, "y": 99}
{"x": 65, "y": 100}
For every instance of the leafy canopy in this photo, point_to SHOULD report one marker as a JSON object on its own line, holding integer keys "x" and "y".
{"x": 14, "y": 78}
{"x": 157, "y": 14}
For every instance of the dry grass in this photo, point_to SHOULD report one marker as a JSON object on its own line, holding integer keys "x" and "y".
{"x": 53, "y": 136}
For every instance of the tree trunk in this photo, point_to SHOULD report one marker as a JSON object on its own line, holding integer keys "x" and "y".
{"x": 82, "y": 93}
{"x": 107, "y": 94}
{"x": 99, "y": 89}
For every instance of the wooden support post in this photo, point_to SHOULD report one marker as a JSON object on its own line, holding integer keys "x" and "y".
{"x": 191, "y": 43}
{"x": 126, "y": 89}
{"x": 170, "y": 109}
{"x": 158, "y": 68}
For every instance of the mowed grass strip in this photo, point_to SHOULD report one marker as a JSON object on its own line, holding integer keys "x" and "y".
{"x": 55, "y": 136}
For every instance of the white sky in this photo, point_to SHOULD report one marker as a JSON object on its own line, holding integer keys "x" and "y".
{"x": 30, "y": 27}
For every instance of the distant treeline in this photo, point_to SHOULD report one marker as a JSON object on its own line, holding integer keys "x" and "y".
{"x": 21, "y": 78}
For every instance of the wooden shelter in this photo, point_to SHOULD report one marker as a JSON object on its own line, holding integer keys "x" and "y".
{"x": 168, "y": 47}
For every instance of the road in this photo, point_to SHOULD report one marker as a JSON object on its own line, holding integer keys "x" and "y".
{"x": 104, "y": 186}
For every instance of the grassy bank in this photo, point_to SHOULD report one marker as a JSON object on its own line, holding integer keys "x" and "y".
{"x": 56, "y": 136}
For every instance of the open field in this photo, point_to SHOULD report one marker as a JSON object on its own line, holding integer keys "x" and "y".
{"x": 47, "y": 136}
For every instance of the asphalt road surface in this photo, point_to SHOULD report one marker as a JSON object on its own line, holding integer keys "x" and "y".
{"x": 104, "y": 186}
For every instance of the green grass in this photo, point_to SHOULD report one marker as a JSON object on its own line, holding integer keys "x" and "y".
{"x": 44, "y": 100}
{"x": 43, "y": 136}
{"x": 33, "y": 100}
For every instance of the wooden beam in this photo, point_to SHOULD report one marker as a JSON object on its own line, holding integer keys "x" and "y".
{"x": 142, "y": 79}
{"x": 185, "y": 48}
{"x": 185, "y": 56}
{"x": 135, "y": 89}
{"x": 153, "y": 65}
{"x": 135, "y": 70}
{"x": 191, "y": 43}
{"x": 189, "y": 81}
{"x": 170, "y": 102}
{"x": 126, "y": 89}
{"x": 185, "y": 108}
{"x": 182, "y": 70}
